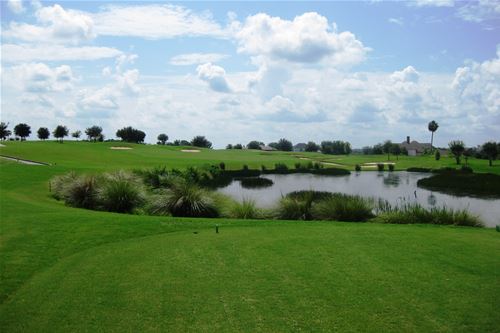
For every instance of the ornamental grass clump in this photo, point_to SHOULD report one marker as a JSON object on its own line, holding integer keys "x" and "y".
{"x": 121, "y": 193}
{"x": 185, "y": 199}
{"x": 343, "y": 207}
{"x": 411, "y": 213}
{"x": 244, "y": 210}
{"x": 59, "y": 184}
{"x": 82, "y": 192}
{"x": 296, "y": 207}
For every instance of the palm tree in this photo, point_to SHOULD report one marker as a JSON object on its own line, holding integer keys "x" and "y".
{"x": 433, "y": 126}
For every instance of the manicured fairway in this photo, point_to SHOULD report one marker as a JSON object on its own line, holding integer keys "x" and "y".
{"x": 298, "y": 276}
{"x": 64, "y": 269}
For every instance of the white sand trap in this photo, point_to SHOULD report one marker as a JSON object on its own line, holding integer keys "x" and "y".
{"x": 190, "y": 150}
{"x": 1, "y": 145}
{"x": 331, "y": 163}
{"x": 120, "y": 148}
{"x": 375, "y": 163}
{"x": 18, "y": 160}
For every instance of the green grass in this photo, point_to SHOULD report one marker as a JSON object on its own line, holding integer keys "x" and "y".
{"x": 481, "y": 184}
{"x": 67, "y": 269}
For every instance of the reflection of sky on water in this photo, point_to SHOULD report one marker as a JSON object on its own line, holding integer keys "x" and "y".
{"x": 396, "y": 187}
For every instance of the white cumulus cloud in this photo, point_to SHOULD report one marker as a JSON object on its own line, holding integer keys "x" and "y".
{"x": 308, "y": 38}
{"x": 215, "y": 76}
{"x": 56, "y": 25}
{"x": 155, "y": 21}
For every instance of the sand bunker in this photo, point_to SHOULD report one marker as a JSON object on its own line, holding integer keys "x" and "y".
{"x": 120, "y": 148}
{"x": 190, "y": 150}
{"x": 374, "y": 164}
{"x": 1, "y": 145}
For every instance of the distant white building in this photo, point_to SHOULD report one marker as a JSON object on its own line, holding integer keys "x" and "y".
{"x": 415, "y": 148}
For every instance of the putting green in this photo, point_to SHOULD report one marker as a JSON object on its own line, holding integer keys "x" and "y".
{"x": 303, "y": 276}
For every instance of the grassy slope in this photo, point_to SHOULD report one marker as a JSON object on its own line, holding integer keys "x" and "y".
{"x": 70, "y": 269}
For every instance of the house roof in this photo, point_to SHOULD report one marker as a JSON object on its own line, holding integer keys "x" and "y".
{"x": 415, "y": 145}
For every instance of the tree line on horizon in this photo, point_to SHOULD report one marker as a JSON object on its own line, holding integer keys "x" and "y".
{"x": 489, "y": 150}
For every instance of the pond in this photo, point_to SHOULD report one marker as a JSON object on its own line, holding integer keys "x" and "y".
{"x": 396, "y": 187}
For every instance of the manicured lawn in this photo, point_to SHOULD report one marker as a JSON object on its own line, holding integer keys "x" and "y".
{"x": 66, "y": 269}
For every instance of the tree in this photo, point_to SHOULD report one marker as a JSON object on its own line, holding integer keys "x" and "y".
{"x": 162, "y": 138}
{"x": 396, "y": 150}
{"x": 336, "y": 147}
{"x": 93, "y": 132}
{"x": 76, "y": 134}
{"x": 254, "y": 144}
{"x": 238, "y": 146}
{"x": 311, "y": 147}
{"x": 60, "y": 132}
{"x": 378, "y": 149}
{"x": 201, "y": 141}
{"x": 229, "y": 146}
{"x": 130, "y": 134}
{"x": 22, "y": 130}
{"x": 285, "y": 145}
{"x": 4, "y": 132}
{"x": 273, "y": 145}
{"x": 387, "y": 147}
{"x": 43, "y": 133}
{"x": 457, "y": 148}
{"x": 490, "y": 149}
{"x": 432, "y": 126}
{"x": 437, "y": 156}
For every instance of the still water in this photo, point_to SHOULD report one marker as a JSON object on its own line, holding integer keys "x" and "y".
{"x": 396, "y": 187}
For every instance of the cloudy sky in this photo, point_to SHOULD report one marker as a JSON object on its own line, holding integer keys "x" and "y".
{"x": 235, "y": 72}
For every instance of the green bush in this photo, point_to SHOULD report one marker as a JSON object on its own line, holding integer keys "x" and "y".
{"x": 309, "y": 194}
{"x": 380, "y": 166}
{"x": 294, "y": 208}
{"x": 185, "y": 199}
{"x": 437, "y": 156}
{"x": 82, "y": 192}
{"x": 153, "y": 177}
{"x": 343, "y": 207}
{"x": 391, "y": 167}
{"x": 414, "y": 213}
{"x": 357, "y": 167}
{"x": 121, "y": 193}
{"x": 244, "y": 210}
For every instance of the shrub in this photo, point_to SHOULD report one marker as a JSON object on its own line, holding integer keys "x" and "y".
{"x": 297, "y": 166}
{"x": 245, "y": 167}
{"x": 317, "y": 165}
{"x": 187, "y": 200}
{"x": 120, "y": 193}
{"x": 437, "y": 156}
{"x": 357, "y": 167}
{"x": 391, "y": 167}
{"x": 263, "y": 168}
{"x": 280, "y": 167}
{"x": 244, "y": 210}
{"x": 294, "y": 208}
{"x": 343, "y": 207}
{"x": 59, "y": 184}
{"x": 82, "y": 192}
{"x": 414, "y": 213}
{"x": 380, "y": 166}
{"x": 222, "y": 166}
{"x": 153, "y": 177}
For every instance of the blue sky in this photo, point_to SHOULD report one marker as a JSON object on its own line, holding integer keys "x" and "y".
{"x": 239, "y": 71}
